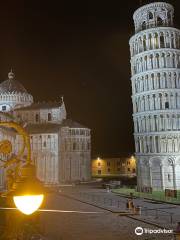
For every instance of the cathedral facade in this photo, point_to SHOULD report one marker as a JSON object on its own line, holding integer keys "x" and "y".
{"x": 61, "y": 148}
{"x": 155, "y": 70}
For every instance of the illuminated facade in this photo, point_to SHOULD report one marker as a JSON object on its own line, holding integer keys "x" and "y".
{"x": 114, "y": 167}
{"x": 155, "y": 69}
{"x": 61, "y": 148}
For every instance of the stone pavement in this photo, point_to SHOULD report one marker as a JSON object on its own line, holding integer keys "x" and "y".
{"x": 101, "y": 226}
{"x": 163, "y": 214}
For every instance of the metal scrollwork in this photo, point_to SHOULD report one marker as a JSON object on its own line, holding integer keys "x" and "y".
{"x": 14, "y": 160}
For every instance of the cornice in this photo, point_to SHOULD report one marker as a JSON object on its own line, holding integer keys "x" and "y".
{"x": 157, "y": 154}
{"x": 165, "y": 90}
{"x": 155, "y": 112}
{"x": 152, "y": 30}
{"x": 157, "y": 70}
{"x": 162, "y": 133}
{"x": 151, "y": 51}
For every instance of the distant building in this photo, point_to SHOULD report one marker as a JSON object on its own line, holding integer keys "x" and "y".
{"x": 61, "y": 148}
{"x": 114, "y": 167}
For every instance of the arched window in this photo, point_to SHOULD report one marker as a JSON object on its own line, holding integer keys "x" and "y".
{"x": 157, "y": 144}
{"x": 166, "y": 105}
{"x": 151, "y": 143}
{"x": 173, "y": 60}
{"x": 169, "y": 17}
{"x": 162, "y": 41}
{"x": 74, "y": 146}
{"x": 3, "y": 108}
{"x": 172, "y": 40}
{"x": 49, "y": 117}
{"x": 162, "y": 122}
{"x": 140, "y": 44}
{"x": 143, "y": 25}
{"x": 159, "y": 21}
{"x": 88, "y": 146}
{"x": 155, "y": 39}
{"x": 144, "y": 44}
{"x": 158, "y": 80}
{"x": 169, "y": 177}
{"x": 177, "y": 41}
{"x": 155, "y": 123}
{"x": 137, "y": 125}
{"x": 37, "y": 117}
{"x": 151, "y": 61}
{"x": 150, "y": 15}
{"x": 157, "y": 60}
{"x": 151, "y": 41}
{"x": 174, "y": 79}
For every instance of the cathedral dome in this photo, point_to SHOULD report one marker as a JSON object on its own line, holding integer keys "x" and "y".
{"x": 10, "y": 85}
{"x": 13, "y": 95}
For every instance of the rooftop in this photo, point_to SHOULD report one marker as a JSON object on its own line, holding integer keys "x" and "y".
{"x": 11, "y": 86}
{"x": 51, "y": 127}
{"x": 43, "y": 128}
{"x": 153, "y": 5}
{"x": 41, "y": 105}
{"x": 72, "y": 124}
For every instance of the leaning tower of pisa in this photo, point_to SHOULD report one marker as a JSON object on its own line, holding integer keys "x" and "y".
{"x": 155, "y": 69}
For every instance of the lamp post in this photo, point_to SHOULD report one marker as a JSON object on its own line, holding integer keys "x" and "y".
{"x": 24, "y": 190}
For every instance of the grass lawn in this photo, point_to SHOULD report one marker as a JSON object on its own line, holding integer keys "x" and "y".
{"x": 155, "y": 195}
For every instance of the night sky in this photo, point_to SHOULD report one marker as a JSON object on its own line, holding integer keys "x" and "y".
{"x": 78, "y": 49}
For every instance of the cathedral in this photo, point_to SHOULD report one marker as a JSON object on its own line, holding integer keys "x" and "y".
{"x": 155, "y": 70}
{"x": 61, "y": 148}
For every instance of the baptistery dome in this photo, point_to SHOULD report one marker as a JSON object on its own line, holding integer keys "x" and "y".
{"x": 13, "y": 95}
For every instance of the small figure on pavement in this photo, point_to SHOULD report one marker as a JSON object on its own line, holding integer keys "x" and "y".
{"x": 129, "y": 204}
{"x": 132, "y": 204}
{"x": 108, "y": 189}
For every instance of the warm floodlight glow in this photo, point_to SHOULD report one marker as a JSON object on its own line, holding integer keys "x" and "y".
{"x": 29, "y": 203}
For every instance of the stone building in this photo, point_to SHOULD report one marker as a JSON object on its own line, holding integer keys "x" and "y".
{"x": 155, "y": 69}
{"x": 114, "y": 167}
{"x": 61, "y": 148}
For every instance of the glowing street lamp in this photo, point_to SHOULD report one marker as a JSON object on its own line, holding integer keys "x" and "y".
{"x": 28, "y": 195}
{"x": 28, "y": 204}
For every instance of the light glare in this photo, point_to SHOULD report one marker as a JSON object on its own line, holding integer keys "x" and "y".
{"x": 29, "y": 203}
